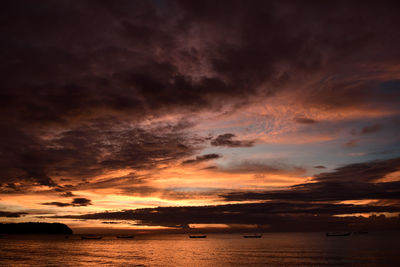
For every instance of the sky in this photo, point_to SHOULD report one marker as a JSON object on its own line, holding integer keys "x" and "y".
{"x": 171, "y": 115}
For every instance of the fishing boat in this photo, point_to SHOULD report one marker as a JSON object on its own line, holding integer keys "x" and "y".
{"x": 197, "y": 236}
{"x": 252, "y": 236}
{"x": 338, "y": 233}
{"x": 91, "y": 237}
{"x": 125, "y": 236}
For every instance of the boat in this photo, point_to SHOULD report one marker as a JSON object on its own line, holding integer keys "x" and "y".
{"x": 197, "y": 236}
{"x": 338, "y": 233}
{"x": 125, "y": 236}
{"x": 91, "y": 237}
{"x": 252, "y": 236}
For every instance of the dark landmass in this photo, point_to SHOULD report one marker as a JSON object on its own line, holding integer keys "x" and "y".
{"x": 35, "y": 228}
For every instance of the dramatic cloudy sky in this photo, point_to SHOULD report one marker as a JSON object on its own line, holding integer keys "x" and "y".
{"x": 175, "y": 114}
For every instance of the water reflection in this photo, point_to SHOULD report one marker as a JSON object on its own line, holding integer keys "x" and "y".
{"x": 276, "y": 249}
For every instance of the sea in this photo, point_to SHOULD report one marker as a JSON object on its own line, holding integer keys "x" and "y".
{"x": 273, "y": 249}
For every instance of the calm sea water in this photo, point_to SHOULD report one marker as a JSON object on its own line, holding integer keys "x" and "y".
{"x": 273, "y": 249}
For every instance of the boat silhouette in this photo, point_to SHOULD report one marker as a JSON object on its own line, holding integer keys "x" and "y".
{"x": 91, "y": 237}
{"x": 252, "y": 236}
{"x": 125, "y": 236}
{"x": 197, "y": 236}
{"x": 338, "y": 233}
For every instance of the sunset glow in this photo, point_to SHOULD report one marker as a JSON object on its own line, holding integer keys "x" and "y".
{"x": 172, "y": 115}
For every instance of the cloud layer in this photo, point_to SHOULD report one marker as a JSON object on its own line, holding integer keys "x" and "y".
{"x": 227, "y": 140}
{"x": 350, "y": 182}
{"x": 112, "y": 103}
{"x": 129, "y": 61}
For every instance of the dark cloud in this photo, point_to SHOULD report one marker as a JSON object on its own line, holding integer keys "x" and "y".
{"x": 227, "y": 140}
{"x": 77, "y": 202}
{"x": 59, "y": 83}
{"x": 262, "y": 168}
{"x": 90, "y": 150}
{"x": 288, "y": 52}
{"x": 303, "y": 207}
{"x": 9, "y": 214}
{"x": 305, "y": 120}
{"x": 202, "y": 158}
{"x": 325, "y": 191}
{"x": 370, "y": 129}
{"x": 277, "y": 215}
{"x": 351, "y": 182}
{"x": 361, "y": 172}
{"x": 110, "y": 222}
{"x": 56, "y": 203}
{"x": 367, "y": 129}
{"x": 67, "y": 194}
{"x": 320, "y": 167}
{"x": 128, "y": 58}
{"x": 78, "y": 78}
{"x": 81, "y": 202}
